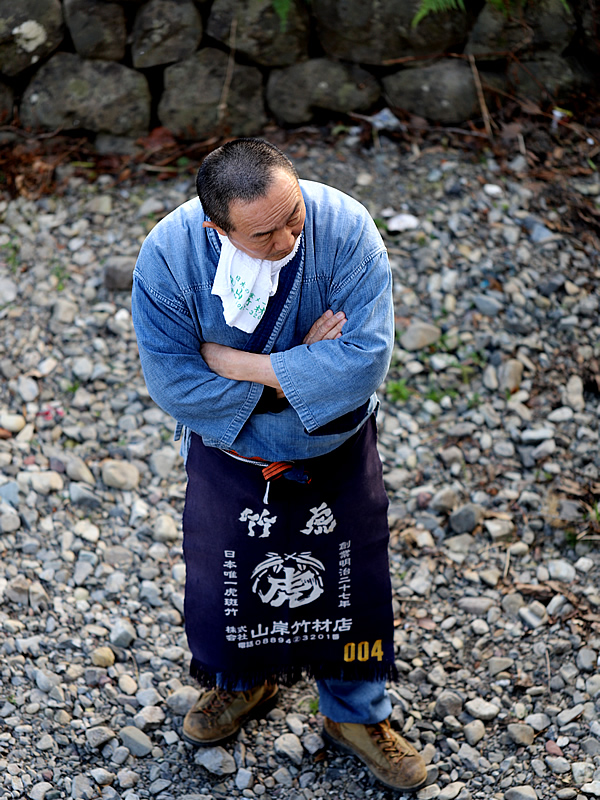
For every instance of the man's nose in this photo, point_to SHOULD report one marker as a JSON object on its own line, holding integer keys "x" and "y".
{"x": 284, "y": 239}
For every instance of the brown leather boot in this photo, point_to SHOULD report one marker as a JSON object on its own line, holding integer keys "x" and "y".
{"x": 390, "y": 758}
{"x": 218, "y": 715}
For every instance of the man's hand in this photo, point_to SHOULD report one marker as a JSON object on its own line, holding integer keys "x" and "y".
{"x": 328, "y": 326}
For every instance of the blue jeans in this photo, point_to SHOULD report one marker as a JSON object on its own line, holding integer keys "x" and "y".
{"x": 363, "y": 702}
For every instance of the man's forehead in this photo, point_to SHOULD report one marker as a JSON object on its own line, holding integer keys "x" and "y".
{"x": 282, "y": 200}
{"x": 291, "y": 215}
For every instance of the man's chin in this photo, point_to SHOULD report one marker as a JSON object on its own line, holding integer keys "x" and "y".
{"x": 279, "y": 256}
{"x": 270, "y": 257}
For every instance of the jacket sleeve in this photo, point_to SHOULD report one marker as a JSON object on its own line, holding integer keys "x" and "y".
{"x": 177, "y": 377}
{"x": 325, "y": 380}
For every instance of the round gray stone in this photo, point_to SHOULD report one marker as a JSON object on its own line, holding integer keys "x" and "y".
{"x": 99, "y": 736}
{"x": 482, "y": 709}
{"x": 521, "y": 793}
{"x": 120, "y": 474}
{"x": 122, "y": 633}
{"x": 136, "y": 741}
{"x": 216, "y": 760}
{"x": 521, "y": 733}
{"x": 71, "y": 92}
{"x": 448, "y": 704}
{"x": 190, "y": 103}
{"x": 32, "y": 29}
{"x": 290, "y": 746}
{"x": 419, "y": 335}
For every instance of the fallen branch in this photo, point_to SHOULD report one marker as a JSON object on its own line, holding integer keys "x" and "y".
{"x": 482, "y": 104}
{"x": 29, "y": 134}
{"x": 489, "y": 56}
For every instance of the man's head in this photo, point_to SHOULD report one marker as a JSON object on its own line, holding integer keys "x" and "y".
{"x": 250, "y": 191}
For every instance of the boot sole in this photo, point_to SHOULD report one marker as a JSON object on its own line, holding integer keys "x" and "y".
{"x": 347, "y": 749}
{"x": 261, "y": 708}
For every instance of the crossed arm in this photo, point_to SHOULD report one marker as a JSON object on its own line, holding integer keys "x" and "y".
{"x": 238, "y": 365}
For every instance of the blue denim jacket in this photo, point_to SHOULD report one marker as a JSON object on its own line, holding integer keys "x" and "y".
{"x": 344, "y": 266}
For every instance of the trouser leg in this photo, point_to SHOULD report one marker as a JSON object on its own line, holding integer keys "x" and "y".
{"x": 363, "y": 702}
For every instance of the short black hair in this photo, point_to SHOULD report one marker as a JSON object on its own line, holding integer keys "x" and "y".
{"x": 242, "y": 169}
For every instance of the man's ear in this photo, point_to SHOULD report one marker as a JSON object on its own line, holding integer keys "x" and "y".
{"x": 209, "y": 224}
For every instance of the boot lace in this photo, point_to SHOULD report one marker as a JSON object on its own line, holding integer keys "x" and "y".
{"x": 218, "y": 699}
{"x": 389, "y": 744}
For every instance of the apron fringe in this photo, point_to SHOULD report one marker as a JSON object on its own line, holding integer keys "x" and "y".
{"x": 290, "y": 674}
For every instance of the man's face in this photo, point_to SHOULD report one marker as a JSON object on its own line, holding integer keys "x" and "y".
{"x": 267, "y": 228}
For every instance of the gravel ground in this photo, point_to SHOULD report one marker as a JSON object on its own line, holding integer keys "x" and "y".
{"x": 489, "y": 437}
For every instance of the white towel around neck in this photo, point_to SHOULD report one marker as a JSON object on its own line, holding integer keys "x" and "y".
{"x": 245, "y": 284}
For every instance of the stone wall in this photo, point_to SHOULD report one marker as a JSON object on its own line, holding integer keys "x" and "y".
{"x": 212, "y": 67}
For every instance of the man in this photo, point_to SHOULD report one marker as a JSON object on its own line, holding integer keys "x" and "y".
{"x": 265, "y": 324}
